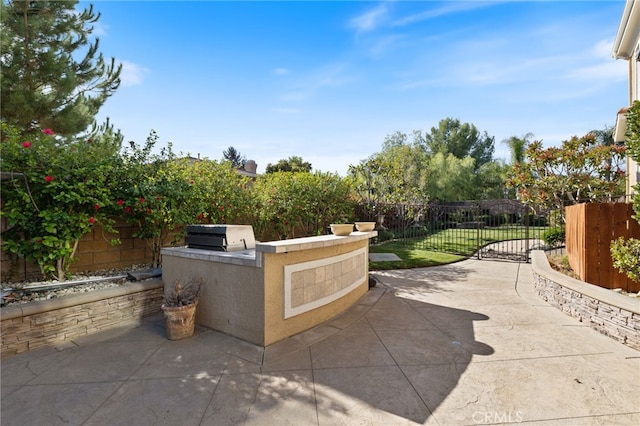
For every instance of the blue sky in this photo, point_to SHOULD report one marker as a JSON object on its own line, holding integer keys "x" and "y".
{"x": 329, "y": 80}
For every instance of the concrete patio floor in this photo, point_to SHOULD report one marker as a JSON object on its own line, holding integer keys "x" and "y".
{"x": 462, "y": 344}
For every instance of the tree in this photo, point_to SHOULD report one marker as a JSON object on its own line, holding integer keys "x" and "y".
{"x": 397, "y": 174}
{"x": 518, "y": 146}
{"x": 291, "y": 164}
{"x": 451, "y": 178}
{"x": 52, "y": 75}
{"x": 572, "y": 173}
{"x": 604, "y": 137}
{"x": 396, "y": 139}
{"x": 461, "y": 140}
{"x": 237, "y": 160}
{"x": 491, "y": 181}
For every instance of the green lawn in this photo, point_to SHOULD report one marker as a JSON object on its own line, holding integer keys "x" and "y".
{"x": 447, "y": 246}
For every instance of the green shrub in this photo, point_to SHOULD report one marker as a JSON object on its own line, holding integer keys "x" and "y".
{"x": 300, "y": 204}
{"x": 554, "y": 236}
{"x": 626, "y": 257}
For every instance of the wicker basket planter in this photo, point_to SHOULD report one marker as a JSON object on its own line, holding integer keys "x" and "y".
{"x": 180, "y": 320}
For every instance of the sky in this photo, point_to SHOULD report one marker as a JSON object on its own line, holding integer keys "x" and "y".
{"x": 328, "y": 81}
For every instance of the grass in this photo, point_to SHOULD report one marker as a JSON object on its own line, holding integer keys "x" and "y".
{"x": 452, "y": 245}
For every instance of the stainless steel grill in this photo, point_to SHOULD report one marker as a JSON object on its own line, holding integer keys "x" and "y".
{"x": 220, "y": 237}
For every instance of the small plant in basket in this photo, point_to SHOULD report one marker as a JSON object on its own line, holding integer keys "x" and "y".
{"x": 180, "y": 294}
{"x": 179, "y": 307}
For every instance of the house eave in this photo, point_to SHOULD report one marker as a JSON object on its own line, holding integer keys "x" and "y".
{"x": 628, "y": 31}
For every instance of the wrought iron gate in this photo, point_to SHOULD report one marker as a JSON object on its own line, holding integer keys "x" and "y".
{"x": 504, "y": 229}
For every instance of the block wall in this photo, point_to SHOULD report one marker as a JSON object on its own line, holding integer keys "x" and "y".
{"x": 95, "y": 252}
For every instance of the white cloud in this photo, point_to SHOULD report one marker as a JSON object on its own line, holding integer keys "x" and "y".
{"x": 132, "y": 74}
{"x": 99, "y": 29}
{"x": 610, "y": 70}
{"x": 447, "y": 9}
{"x": 603, "y": 48}
{"x": 603, "y": 68}
{"x": 385, "y": 44}
{"x": 286, "y": 110}
{"x": 281, "y": 71}
{"x": 306, "y": 87}
{"x": 370, "y": 20}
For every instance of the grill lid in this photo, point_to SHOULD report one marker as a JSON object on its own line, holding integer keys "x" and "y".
{"x": 220, "y": 237}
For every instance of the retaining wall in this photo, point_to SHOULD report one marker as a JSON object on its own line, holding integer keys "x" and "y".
{"x": 43, "y": 323}
{"x": 612, "y": 314}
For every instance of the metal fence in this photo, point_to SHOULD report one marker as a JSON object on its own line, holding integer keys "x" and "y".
{"x": 486, "y": 228}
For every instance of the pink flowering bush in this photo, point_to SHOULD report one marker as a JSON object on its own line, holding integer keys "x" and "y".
{"x": 58, "y": 188}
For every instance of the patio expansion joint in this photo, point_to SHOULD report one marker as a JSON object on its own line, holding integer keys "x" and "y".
{"x": 526, "y": 358}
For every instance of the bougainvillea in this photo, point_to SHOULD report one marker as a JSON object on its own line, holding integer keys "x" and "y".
{"x": 50, "y": 202}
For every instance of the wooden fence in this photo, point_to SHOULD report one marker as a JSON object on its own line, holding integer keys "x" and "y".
{"x": 590, "y": 228}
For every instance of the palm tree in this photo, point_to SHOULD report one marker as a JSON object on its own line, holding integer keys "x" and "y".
{"x": 518, "y": 147}
{"x": 604, "y": 136}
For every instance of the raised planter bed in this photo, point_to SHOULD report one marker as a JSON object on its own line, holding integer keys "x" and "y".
{"x": 612, "y": 314}
{"x": 32, "y": 325}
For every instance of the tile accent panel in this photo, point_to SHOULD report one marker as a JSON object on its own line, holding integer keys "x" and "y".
{"x": 309, "y": 285}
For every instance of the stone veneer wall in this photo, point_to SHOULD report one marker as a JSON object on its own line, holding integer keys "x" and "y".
{"x": 612, "y": 314}
{"x": 36, "y": 324}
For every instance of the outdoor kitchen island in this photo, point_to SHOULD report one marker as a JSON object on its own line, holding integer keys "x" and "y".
{"x": 277, "y": 289}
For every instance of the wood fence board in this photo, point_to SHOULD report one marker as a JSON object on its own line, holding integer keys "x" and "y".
{"x": 591, "y": 236}
{"x": 602, "y": 267}
{"x": 574, "y": 237}
{"x": 590, "y": 229}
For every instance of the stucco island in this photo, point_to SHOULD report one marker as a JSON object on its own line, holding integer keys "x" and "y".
{"x": 276, "y": 290}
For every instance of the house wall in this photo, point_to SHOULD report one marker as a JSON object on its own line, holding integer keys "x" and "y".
{"x": 627, "y": 46}
{"x": 633, "y": 169}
